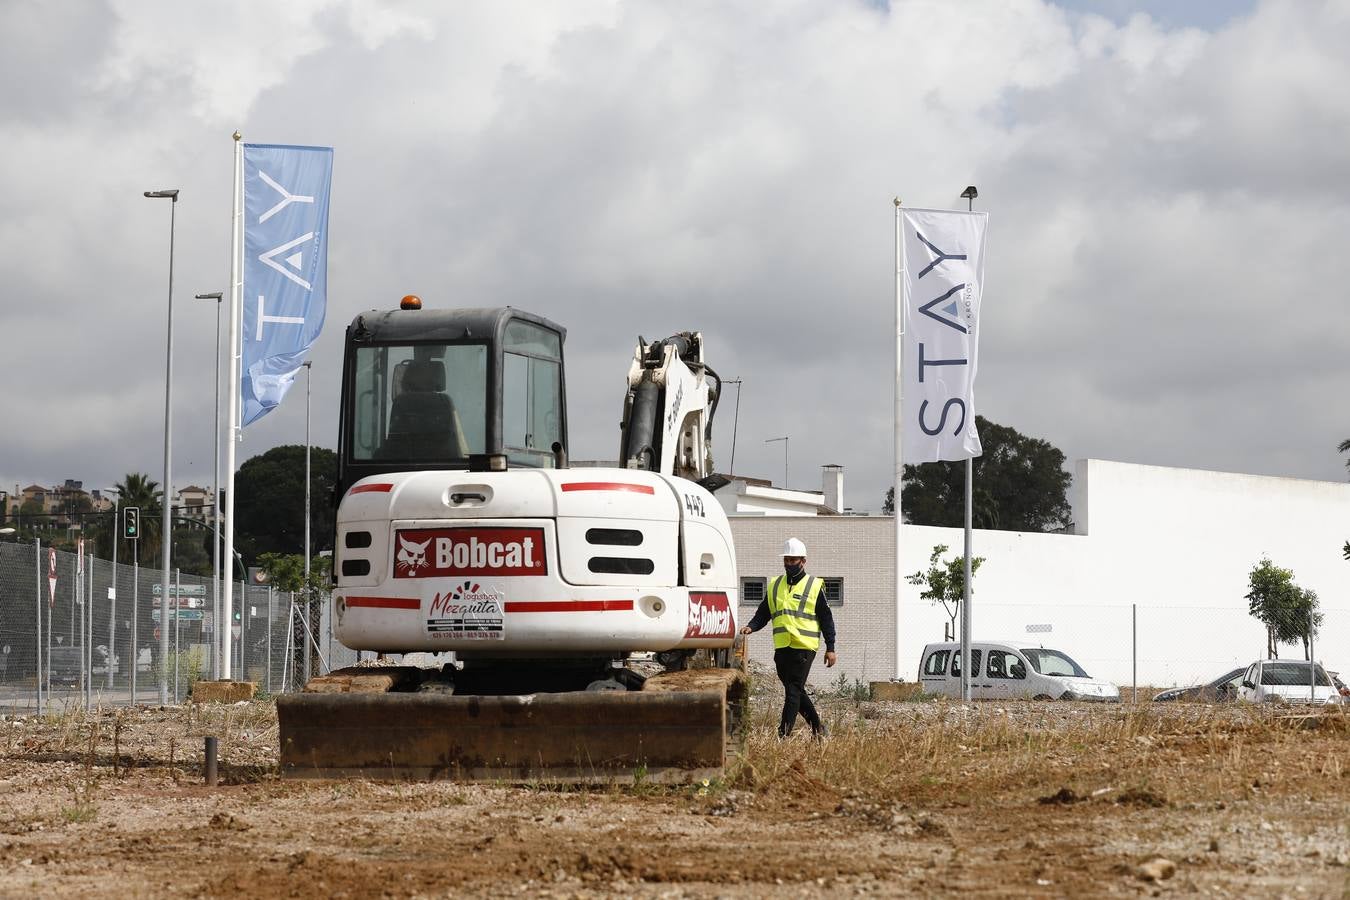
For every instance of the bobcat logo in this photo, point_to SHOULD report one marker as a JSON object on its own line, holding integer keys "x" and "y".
{"x": 412, "y": 556}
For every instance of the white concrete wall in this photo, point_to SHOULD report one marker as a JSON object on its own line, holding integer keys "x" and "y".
{"x": 1176, "y": 543}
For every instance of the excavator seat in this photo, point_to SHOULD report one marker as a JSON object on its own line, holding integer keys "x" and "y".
{"x": 422, "y": 417}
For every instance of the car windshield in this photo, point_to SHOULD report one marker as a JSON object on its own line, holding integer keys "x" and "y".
{"x": 1232, "y": 677}
{"x": 1291, "y": 674}
{"x": 1053, "y": 662}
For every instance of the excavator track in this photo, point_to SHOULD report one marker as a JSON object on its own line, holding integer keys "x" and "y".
{"x": 358, "y": 723}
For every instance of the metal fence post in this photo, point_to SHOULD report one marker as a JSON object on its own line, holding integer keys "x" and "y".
{"x": 1134, "y": 652}
{"x": 268, "y": 679}
{"x": 37, "y": 631}
{"x": 177, "y": 631}
{"x": 1312, "y": 659}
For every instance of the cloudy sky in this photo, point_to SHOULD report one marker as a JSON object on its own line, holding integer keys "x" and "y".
{"x": 1168, "y": 188}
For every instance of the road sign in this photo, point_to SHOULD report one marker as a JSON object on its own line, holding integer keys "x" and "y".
{"x": 182, "y": 615}
{"x": 51, "y": 576}
{"x": 182, "y": 590}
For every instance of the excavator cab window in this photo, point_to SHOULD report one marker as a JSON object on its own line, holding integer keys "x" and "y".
{"x": 419, "y": 403}
{"x": 532, "y": 399}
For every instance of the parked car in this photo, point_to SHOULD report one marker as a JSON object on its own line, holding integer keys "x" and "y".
{"x": 1004, "y": 670}
{"x": 1221, "y": 690}
{"x": 1287, "y": 681}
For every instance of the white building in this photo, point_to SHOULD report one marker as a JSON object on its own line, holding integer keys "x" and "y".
{"x": 1154, "y": 575}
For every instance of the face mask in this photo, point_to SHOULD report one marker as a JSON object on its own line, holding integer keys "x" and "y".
{"x": 793, "y": 571}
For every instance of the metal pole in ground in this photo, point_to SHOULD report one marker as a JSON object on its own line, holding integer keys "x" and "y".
{"x": 211, "y": 771}
{"x": 1134, "y": 652}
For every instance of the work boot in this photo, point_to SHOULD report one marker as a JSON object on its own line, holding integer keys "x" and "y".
{"x": 821, "y": 733}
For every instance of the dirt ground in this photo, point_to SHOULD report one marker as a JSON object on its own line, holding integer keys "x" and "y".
{"x": 903, "y": 799}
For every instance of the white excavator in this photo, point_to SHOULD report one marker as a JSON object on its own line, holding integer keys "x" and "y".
{"x": 461, "y": 528}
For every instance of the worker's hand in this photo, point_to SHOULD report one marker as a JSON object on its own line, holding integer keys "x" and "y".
{"x": 830, "y": 659}
{"x": 745, "y": 630}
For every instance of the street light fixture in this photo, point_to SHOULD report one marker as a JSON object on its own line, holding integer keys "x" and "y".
{"x": 215, "y": 502}
{"x": 166, "y": 530}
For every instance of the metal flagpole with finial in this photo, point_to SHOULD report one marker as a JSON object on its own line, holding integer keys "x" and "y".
{"x": 233, "y": 431}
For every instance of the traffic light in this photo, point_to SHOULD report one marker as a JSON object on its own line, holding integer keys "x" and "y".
{"x": 131, "y": 523}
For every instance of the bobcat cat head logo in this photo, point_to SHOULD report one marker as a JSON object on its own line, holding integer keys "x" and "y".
{"x": 412, "y": 556}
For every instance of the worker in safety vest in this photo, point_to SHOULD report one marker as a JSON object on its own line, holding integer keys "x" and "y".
{"x": 795, "y": 603}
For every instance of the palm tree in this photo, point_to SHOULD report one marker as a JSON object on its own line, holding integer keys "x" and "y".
{"x": 1344, "y": 447}
{"x": 139, "y": 490}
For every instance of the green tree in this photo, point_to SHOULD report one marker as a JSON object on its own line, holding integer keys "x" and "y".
{"x": 1304, "y": 621}
{"x": 286, "y": 572}
{"x": 1288, "y": 611}
{"x": 269, "y": 504}
{"x": 1019, "y": 485}
{"x": 945, "y": 583}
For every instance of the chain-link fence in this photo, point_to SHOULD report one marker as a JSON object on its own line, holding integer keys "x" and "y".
{"x": 87, "y": 631}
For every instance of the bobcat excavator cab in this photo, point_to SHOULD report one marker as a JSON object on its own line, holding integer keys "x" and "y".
{"x": 460, "y": 527}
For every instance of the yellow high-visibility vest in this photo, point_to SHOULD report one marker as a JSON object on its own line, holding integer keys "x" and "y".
{"x": 793, "y": 612}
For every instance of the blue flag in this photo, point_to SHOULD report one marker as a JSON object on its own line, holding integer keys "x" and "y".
{"x": 285, "y": 267}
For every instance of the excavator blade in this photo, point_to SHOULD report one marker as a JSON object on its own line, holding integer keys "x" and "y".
{"x": 583, "y": 736}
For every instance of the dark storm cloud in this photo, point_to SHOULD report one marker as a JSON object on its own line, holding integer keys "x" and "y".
{"x": 633, "y": 168}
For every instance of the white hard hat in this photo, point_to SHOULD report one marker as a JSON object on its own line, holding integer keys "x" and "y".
{"x": 794, "y": 547}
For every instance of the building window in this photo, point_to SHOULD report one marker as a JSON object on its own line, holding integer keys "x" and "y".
{"x": 833, "y": 591}
{"x": 753, "y": 591}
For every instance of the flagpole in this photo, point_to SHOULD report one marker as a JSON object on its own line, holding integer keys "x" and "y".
{"x": 899, "y": 397}
{"x": 970, "y": 193}
{"x": 233, "y": 431}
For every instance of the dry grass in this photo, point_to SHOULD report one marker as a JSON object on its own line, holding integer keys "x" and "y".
{"x": 941, "y": 752}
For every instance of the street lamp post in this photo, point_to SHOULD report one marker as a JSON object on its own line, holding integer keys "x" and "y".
{"x": 166, "y": 529}
{"x": 308, "y": 599}
{"x": 736, "y": 420}
{"x": 215, "y": 506}
{"x": 784, "y": 439}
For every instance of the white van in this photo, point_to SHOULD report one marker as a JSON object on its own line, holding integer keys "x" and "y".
{"x": 1005, "y": 670}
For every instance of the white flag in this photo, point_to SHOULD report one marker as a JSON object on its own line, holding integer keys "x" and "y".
{"x": 942, "y": 282}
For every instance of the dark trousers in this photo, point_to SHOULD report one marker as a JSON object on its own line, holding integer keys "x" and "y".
{"x": 793, "y": 666}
